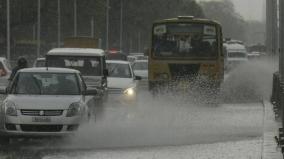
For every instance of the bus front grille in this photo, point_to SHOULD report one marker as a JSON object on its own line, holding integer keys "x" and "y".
{"x": 188, "y": 71}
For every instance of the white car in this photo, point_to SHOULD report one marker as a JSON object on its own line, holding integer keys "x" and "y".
{"x": 140, "y": 68}
{"x": 39, "y": 62}
{"x": 236, "y": 54}
{"x": 122, "y": 83}
{"x": 139, "y": 56}
{"x": 43, "y": 102}
{"x": 5, "y": 71}
{"x": 131, "y": 59}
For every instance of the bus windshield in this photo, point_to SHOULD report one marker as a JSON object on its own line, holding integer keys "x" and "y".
{"x": 185, "y": 40}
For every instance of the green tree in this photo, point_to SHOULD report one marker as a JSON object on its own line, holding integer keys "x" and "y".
{"x": 224, "y": 12}
{"x": 139, "y": 16}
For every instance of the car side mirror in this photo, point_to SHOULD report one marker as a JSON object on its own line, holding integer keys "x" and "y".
{"x": 3, "y": 90}
{"x": 138, "y": 78}
{"x": 105, "y": 72}
{"x": 91, "y": 91}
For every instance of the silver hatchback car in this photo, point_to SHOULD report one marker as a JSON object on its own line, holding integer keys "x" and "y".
{"x": 43, "y": 102}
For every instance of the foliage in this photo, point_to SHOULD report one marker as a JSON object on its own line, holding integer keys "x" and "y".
{"x": 139, "y": 15}
{"x": 137, "y": 19}
{"x": 225, "y": 13}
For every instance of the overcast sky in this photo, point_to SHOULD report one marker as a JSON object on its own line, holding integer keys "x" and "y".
{"x": 249, "y": 9}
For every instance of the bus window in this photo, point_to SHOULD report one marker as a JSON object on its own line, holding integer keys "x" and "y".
{"x": 186, "y": 40}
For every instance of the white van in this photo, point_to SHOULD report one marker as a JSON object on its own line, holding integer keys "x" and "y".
{"x": 90, "y": 62}
{"x": 235, "y": 54}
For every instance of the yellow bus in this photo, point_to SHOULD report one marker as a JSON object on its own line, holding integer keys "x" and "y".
{"x": 185, "y": 49}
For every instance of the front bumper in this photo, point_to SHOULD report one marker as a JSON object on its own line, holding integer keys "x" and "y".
{"x": 25, "y": 126}
{"x": 122, "y": 99}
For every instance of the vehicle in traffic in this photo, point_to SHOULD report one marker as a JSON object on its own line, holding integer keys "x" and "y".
{"x": 139, "y": 56}
{"x": 116, "y": 56}
{"x": 122, "y": 83}
{"x": 235, "y": 55}
{"x": 254, "y": 55}
{"x": 131, "y": 58}
{"x": 5, "y": 71}
{"x": 140, "y": 68}
{"x": 39, "y": 62}
{"x": 81, "y": 42}
{"x": 43, "y": 102}
{"x": 184, "y": 49}
{"x": 90, "y": 62}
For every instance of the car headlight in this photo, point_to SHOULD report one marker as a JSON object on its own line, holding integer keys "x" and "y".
{"x": 129, "y": 92}
{"x": 74, "y": 109}
{"x": 10, "y": 108}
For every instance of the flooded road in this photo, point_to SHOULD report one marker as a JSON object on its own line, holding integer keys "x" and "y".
{"x": 168, "y": 125}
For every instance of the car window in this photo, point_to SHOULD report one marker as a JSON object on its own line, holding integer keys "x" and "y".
{"x": 119, "y": 70}
{"x": 88, "y": 66}
{"x": 237, "y": 54}
{"x": 46, "y": 84}
{"x": 140, "y": 66}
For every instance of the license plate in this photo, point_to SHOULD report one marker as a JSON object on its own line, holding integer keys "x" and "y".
{"x": 41, "y": 119}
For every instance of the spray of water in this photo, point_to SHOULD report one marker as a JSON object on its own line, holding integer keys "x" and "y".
{"x": 175, "y": 118}
{"x": 249, "y": 82}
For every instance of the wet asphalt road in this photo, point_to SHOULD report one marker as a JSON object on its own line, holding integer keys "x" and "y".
{"x": 153, "y": 122}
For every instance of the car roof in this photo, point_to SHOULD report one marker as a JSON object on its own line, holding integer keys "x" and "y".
{"x": 76, "y": 52}
{"x": 40, "y": 59}
{"x": 235, "y": 47}
{"x": 49, "y": 70}
{"x": 117, "y": 61}
{"x": 137, "y": 61}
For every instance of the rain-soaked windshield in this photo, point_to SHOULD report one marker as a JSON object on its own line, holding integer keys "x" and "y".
{"x": 192, "y": 100}
{"x": 237, "y": 54}
{"x": 88, "y": 66}
{"x": 119, "y": 70}
{"x": 140, "y": 66}
{"x": 46, "y": 84}
{"x": 185, "y": 40}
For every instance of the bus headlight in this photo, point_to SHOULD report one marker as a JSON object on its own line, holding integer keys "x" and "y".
{"x": 129, "y": 92}
{"x": 10, "y": 109}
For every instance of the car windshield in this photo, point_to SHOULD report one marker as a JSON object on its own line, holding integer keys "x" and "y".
{"x": 184, "y": 40}
{"x": 46, "y": 84}
{"x": 119, "y": 70}
{"x": 88, "y": 66}
{"x": 237, "y": 54}
{"x": 140, "y": 66}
